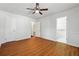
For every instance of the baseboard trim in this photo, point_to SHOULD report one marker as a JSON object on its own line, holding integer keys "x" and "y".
{"x": 61, "y": 42}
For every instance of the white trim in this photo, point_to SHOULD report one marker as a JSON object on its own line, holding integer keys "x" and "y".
{"x": 61, "y": 42}
{"x": 0, "y": 44}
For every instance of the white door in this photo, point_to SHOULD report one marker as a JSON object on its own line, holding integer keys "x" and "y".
{"x": 36, "y": 29}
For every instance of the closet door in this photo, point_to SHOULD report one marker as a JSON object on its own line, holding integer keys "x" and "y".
{"x": 10, "y": 28}
{"x": 2, "y": 29}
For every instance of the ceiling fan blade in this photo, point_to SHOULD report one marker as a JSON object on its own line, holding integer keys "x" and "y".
{"x": 44, "y": 9}
{"x": 40, "y": 13}
{"x": 33, "y": 12}
{"x": 29, "y": 9}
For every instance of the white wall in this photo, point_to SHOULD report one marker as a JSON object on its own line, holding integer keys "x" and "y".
{"x": 14, "y": 27}
{"x": 48, "y": 26}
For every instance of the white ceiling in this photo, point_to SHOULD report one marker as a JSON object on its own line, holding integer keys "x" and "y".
{"x": 20, "y": 8}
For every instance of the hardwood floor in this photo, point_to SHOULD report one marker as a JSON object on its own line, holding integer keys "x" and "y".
{"x": 36, "y": 46}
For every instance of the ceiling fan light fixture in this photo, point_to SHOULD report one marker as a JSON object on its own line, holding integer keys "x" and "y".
{"x": 37, "y": 11}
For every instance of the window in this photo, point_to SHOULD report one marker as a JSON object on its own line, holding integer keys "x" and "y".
{"x": 61, "y": 29}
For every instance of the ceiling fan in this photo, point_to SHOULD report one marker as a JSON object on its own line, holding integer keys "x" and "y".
{"x": 37, "y": 9}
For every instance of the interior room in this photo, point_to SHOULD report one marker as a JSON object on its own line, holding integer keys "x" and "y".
{"x": 39, "y": 29}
